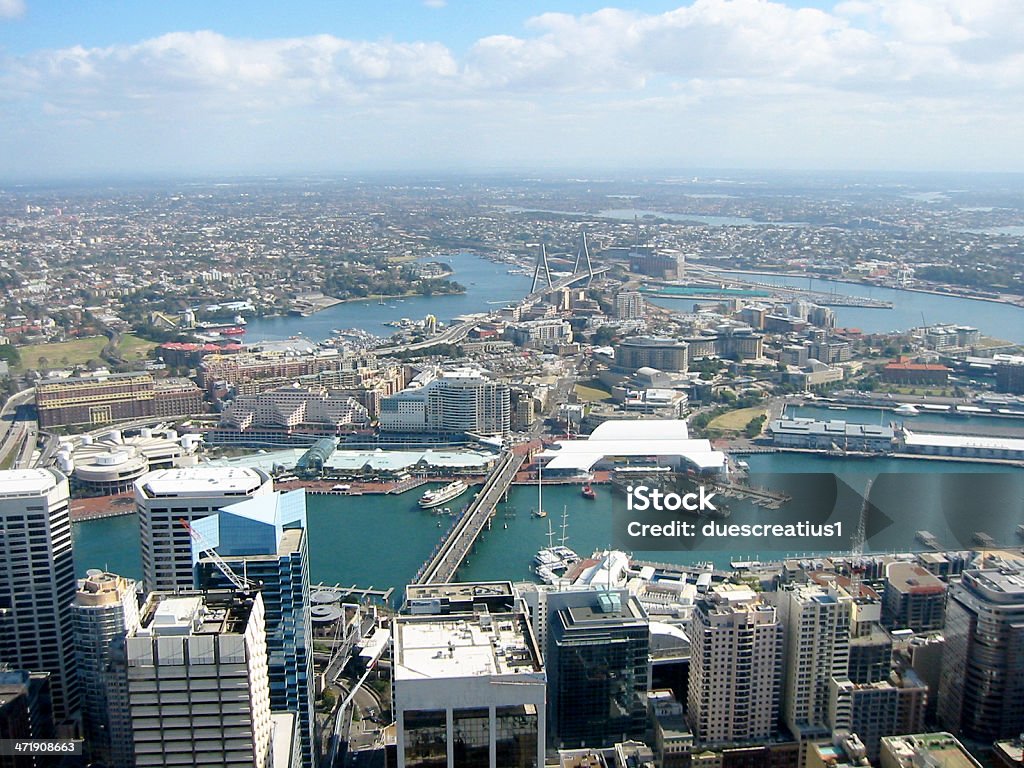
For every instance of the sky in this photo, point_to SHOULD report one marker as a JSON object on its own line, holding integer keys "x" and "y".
{"x": 105, "y": 88}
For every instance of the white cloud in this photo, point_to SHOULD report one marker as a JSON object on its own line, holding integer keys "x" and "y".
{"x": 12, "y": 9}
{"x": 718, "y": 71}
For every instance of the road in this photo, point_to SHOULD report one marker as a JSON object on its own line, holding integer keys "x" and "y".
{"x": 456, "y": 545}
{"x": 18, "y": 429}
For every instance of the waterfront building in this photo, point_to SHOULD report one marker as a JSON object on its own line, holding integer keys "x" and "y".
{"x": 662, "y": 353}
{"x": 266, "y": 540}
{"x": 962, "y": 446}
{"x": 453, "y": 402}
{"x": 469, "y": 689}
{"x": 1009, "y": 370}
{"x": 95, "y": 400}
{"x": 913, "y": 598}
{"x": 938, "y": 749}
{"x": 288, "y": 415}
{"x": 736, "y": 667}
{"x": 831, "y": 435}
{"x": 105, "y": 610}
{"x": 597, "y": 657}
{"x": 166, "y": 497}
{"x": 666, "y": 440}
{"x": 197, "y": 686}
{"x": 816, "y": 621}
{"x": 907, "y": 372}
{"x": 981, "y": 688}
{"x": 37, "y": 581}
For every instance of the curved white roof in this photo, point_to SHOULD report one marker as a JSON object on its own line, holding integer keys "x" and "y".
{"x": 642, "y": 429}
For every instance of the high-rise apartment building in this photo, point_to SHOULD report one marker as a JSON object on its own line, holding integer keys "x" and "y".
{"x": 629, "y": 305}
{"x": 817, "y": 629}
{"x": 265, "y": 540}
{"x": 104, "y": 611}
{"x": 453, "y": 402}
{"x": 597, "y": 658}
{"x": 735, "y": 684}
{"x": 981, "y": 687}
{"x": 914, "y": 598}
{"x": 37, "y": 581}
{"x": 197, "y": 683}
{"x": 166, "y": 497}
{"x": 469, "y": 690}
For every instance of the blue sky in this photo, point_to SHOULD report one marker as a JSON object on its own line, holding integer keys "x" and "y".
{"x": 102, "y": 88}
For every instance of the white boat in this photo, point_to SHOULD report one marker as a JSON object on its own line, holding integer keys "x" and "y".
{"x": 906, "y": 410}
{"x": 443, "y": 495}
{"x": 552, "y": 562}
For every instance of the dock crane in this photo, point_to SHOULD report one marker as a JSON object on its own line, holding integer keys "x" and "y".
{"x": 240, "y": 583}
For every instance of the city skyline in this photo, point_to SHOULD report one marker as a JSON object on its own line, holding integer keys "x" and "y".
{"x": 424, "y": 86}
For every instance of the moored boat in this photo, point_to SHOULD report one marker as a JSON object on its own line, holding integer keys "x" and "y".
{"x": 443, "y": 495}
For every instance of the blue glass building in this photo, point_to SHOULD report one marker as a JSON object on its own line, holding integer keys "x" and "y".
{"x": 265, "y": 540}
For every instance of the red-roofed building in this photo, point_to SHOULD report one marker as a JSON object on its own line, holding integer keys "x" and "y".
{"x": 903, "y": 371}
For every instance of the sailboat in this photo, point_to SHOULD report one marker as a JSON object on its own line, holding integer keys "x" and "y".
{"x": 552, "y": 562}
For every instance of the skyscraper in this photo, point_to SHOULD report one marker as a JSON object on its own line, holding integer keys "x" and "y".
{"x": 104, "y": 611}
{"x": 166, "y": 497}
{"x": 37, "y": 580}
{"x": 469, "y": 689}
{"x": 981, "y": 687}
{"x": 735, "y": 685}
{"x": 198, "y": 691}
{"x": 597, "y": 670}
{"x": 816, "y": 620}
{"x": 265, "y": 540}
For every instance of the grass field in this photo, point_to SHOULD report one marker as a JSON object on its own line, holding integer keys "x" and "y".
{"x": 735, "y": 421}
{"x": 134, "y": 348}
{"x": 592, "y": 391}
{"x": 62, "y": 354}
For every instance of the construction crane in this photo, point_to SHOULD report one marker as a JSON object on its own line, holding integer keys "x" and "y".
{"x": 857, "y": 543}
{"x": 240, "y": 582}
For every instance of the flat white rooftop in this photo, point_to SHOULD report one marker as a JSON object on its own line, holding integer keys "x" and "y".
{"x": 432, "y": 647}
{"x": 26, "y": 482}
{"x": 964, "y": 441}
{"x": 582, "y": 455}
{"x": 200, "y": 481}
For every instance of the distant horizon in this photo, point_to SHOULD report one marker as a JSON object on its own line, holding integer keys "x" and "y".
{"x": 220, "y": 89}
{"x": 698, "y": 176}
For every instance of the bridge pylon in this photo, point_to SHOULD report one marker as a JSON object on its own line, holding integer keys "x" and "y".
{"x": 583, "y": 253}
{"x": 542, "y": 264}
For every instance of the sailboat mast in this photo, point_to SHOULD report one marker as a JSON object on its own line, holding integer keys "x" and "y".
{"x": 565, "y": 525}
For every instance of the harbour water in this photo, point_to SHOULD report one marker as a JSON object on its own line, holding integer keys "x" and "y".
{"x": 382, "y": 540}
{"x": 488, "y": 286}
{"x": 910, "y": 308}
